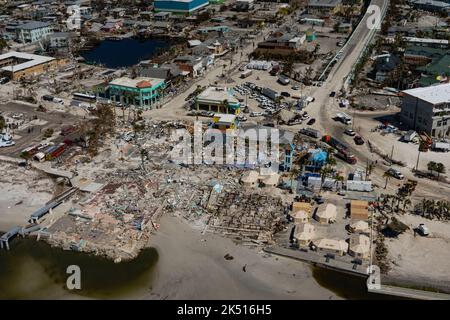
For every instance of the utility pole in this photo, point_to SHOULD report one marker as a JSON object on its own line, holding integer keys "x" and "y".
{"x": 392, "y": 154}
{"x": 417, "y": 163}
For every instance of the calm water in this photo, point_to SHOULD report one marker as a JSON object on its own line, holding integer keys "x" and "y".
{"x": 35, "y": 270}
{"x": 123, "y": 53}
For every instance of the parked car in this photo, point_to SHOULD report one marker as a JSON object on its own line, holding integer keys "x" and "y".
{"x": 285, "y": 94}
{"x": 358, "y": 140}
{"x": 423, "y": 230}
{"x": 318, "y": 199}
{"x": 396, "y": 174}
{"x": 295, "y": 87}
{"x": 350, "y": 132}
{"x": 333, "y": 94}
{"x": 311, "y": 122}
{"x": 4, "y": 80}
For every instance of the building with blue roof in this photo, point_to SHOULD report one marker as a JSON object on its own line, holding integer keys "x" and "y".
{"x": 179, "y": 6}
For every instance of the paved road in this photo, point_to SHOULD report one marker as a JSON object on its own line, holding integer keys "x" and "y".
{"x": 325, "y": 107}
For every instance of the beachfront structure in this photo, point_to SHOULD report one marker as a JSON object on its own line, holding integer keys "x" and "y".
{"x": 304, "y": 233}
{"x": 359, "y": 226}
{"x": 224, "y": 121}
{"x": 328, "y": 215}
{"x": 359, "y": 246}
{"x": 179, "y": 6}
{"x": 359, "y": 210}
{"x": 142, "y": 92}
{"x": 331, "y": 246}
{"x": 250, "y": 179}
{"x": 218, "y": 99}
{"x": 16, "y": 65}
{"x": 300, "y": 216}
{"x": 427, "y": 109}
{"x": 301, "y": 211}
{"x": 33, "y": 31}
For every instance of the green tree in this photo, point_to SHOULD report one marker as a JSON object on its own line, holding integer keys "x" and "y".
{"x": 440, "y": 168}
{"x": 431, "y": 166}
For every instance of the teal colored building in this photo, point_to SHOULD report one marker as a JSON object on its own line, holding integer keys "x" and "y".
{"x": 142, "y": 92}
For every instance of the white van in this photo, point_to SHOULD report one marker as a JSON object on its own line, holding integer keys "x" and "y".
{"x": 58, "y": 100}
{"x": 39, "y": 157}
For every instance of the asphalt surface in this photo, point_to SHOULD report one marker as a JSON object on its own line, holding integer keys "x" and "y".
{"x": 54, "y": 120}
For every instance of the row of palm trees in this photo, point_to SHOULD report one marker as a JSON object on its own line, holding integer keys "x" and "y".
{"x": 430, "y": 209}
{"x": 437, "y": 167}
{"x": 394, "y": 202}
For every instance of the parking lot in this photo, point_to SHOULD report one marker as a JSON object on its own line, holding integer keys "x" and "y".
{"x": 30, "y": 126}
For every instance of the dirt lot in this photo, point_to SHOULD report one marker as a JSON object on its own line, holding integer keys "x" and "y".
{"x": 422, "y": 257}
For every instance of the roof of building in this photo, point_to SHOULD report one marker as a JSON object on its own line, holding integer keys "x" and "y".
{"x": 217, "y": 95}
{"x": 304, "y": 231}
{"x": 359, "y": 225}
{"x": 34, "y": 25}
{"x": 433, "y": 94}
{"x": 32, "y": 60}
{"x": 359, "y": 243}
{"x": 324, "y": 3}
{"x": 225, "y": 118}
{"x": 329, "y": 212}
{"x": 250, "y": 177}
{"x": 138, "y": 83}
{"x": 333, "y": 244}
{"x": 433, "y": 3}
{"x": 302, "y": 206}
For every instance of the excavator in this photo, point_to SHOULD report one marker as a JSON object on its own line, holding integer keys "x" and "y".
{"x": 425, "y": 142}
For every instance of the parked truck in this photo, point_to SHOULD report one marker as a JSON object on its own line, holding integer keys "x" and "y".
{"x": 246, "y": 73}
{"x": 343, "y": 117}
{"x": 269, "y": 93}
{"x": 341, "y": 149}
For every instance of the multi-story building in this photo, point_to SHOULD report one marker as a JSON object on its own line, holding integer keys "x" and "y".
{"x": 60, "y": 40}
{"x": 282, "y": 43}
{"x": 142, "y": 92}
{"x": 219, "y": 100}
{"x": 179, "y": 6}
{"x": 33, "y": 31}
{"x": 323, "y": 7}
{"x": 427, "y": 109}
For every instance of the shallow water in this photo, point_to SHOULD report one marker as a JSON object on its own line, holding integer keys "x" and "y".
{"x": 33, "y": 269}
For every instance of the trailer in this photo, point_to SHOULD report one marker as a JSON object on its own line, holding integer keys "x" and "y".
{"x": 269, "y": 93}
{"x": 55, "y": 151}
{"x": 442, "y": 146}
{"x": 341, "y": 149}
{"x": 246, "y": 73}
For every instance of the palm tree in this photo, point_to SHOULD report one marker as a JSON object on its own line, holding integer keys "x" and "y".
{"x": 388, "y": 176}
{"x": 294, "y": 174}
{"x": 406, "y": 203}
{"x": 440, "y": 168}
{"x": 431, "y": 166}
{"x": 325, "y": 172}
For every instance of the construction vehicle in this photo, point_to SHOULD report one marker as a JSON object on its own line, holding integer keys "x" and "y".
{"x": 341, "y": 149}
{"x": 425, "y": 142}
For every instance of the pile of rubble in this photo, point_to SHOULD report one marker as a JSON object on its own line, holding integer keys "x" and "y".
{"x": 247, "y": 216}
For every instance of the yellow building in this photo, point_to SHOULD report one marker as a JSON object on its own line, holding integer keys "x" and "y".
{"x": 17, "y": 65}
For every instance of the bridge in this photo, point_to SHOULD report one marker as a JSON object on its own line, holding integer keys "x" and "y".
{"x": 38, "y": 214}
{"x": 4, "y": 239}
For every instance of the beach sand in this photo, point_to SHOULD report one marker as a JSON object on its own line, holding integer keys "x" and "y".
{"x": 192, "y": 266}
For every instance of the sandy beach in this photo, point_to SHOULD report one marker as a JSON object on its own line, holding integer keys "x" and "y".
{"x": 192, "y": 266}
